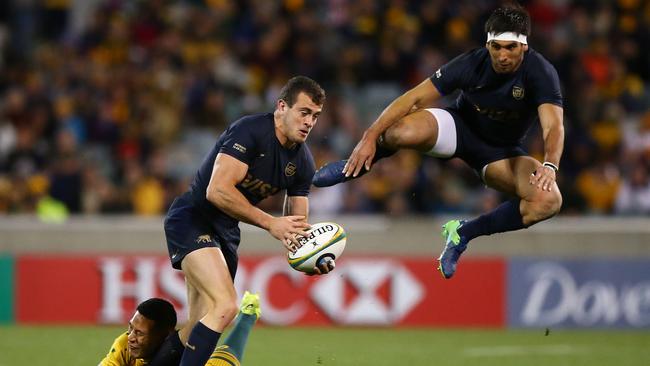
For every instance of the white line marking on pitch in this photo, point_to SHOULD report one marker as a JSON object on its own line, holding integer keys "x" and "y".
{"x": 498, "y": 351}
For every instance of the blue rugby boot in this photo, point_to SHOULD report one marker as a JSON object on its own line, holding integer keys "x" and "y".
{"x": 455, "y": 245}
{"x": 332, "y": 173}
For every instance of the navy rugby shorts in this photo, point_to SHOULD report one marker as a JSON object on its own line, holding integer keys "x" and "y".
{"x": 471, "y": 148}
{"x": 187, "y": 229}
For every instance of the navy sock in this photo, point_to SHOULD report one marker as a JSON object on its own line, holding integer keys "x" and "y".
{"x": 381, "y": 151}
{"x": 236, "y": 340}
{"x": 200, "y": 345}
{"x": 169, "y": 353}
{"x": 506, "y": 217}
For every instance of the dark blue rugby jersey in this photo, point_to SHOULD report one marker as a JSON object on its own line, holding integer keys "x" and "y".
{"x": 271, "y": 167}
{"x": 500, "y": 108}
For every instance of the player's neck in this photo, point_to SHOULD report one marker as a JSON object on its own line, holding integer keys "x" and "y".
{"x": 283, "y": 139}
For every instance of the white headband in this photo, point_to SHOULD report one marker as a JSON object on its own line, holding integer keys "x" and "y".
{"x": 507, "y": 36}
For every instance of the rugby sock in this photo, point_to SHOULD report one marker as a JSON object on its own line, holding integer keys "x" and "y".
{"x": 236, "y": 340}
{"x": 381, "y": 151}
{"x": 506, "y": 217}
{"x": 169, "y": 353}
{"x": 223, "y": 356}
{"x": 199, "y": 346}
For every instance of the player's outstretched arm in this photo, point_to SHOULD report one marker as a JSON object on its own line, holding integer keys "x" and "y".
{"x": 223, "y": 193}
{"x": 551, "y": 120}
{"x": 421, "y": 96}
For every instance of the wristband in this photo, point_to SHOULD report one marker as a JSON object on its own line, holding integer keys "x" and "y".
{"x": 551, "y": 165}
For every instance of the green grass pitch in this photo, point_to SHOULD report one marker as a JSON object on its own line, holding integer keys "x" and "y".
{"x": 270, "y": 346}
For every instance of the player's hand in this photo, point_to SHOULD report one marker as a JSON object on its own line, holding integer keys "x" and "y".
{"x": 291, "y": 245}
{"x": 362, "y": 155}
{"x": 543, "y": 178}
{"x": 287, "y": 228}
{"x": 324, "y": 266}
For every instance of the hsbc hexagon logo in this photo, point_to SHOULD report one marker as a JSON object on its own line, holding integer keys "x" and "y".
{"x": 360, "y": 291}
{"x": 385, "y": 291}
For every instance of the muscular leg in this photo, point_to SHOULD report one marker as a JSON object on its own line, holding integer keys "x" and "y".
{"x": 198, "y": 306}
{"x": 532, "y": 205}
{"x": 418, "y": 131}
{"x": 172, "y": 349}
{"x": 512, "y": 176}
{"x": 213, "y": 294}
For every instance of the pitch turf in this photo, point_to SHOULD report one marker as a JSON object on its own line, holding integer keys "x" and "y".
{"x": 268, "y": 346}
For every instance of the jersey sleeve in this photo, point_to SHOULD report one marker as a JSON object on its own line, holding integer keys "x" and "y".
{"x": 454, "y": 74}
{"x": 239, "y": 141}
{"x": 545, "y": 84}
{"x": 118, "y": 355}
{"x": 306, "y": 172}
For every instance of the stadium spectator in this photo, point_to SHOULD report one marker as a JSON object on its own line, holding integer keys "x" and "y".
{"x": 134, "y": 79}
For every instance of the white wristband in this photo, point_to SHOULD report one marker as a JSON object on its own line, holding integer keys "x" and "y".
{"x": 550, "y": 165}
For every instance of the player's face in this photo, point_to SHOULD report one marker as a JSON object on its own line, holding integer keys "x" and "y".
{"x": 506, "y": 56}
{"x": 143, "y": 340}
{"x": 298, "y": 120}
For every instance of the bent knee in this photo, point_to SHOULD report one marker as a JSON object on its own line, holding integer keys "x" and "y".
{"x": 415, "y": 131}
{"x": 398, "y": 135}
{"x": 226, "y": 309}
{"x": 546, "y": 205}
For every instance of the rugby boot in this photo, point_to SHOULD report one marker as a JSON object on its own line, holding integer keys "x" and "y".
{"x": 455, "y": 245}
{"x": 250, "y": 304}
{"x": 332, "y": 173}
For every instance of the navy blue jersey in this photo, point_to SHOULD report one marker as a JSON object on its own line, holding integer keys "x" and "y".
{"x": 271, "y": 167}
{"x": 499, "y": 108}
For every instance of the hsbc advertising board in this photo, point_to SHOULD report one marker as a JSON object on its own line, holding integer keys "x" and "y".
{"x": 594, "y": 293}
{"x": 366, "y": 291}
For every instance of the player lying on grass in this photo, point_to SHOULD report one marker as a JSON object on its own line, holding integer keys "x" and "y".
{"x": 505, "y": 86}
{"x": 155, "y": 320}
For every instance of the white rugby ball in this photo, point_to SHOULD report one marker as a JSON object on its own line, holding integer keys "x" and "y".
{"x": 325, "y": 239}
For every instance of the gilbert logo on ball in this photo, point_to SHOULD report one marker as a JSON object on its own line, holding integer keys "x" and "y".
{"x": 325, "y": 239}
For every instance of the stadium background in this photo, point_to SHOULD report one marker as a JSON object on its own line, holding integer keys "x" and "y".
{"x": 106, "y": 108}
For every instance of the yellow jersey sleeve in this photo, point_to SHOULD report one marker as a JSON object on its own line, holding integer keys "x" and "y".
{"x": 119, "y": 355}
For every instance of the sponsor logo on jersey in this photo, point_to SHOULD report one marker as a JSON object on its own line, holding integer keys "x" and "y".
{"x": 290, "y": 169}
{"x": 240, "y": 148}
{"x": 502, "y": 115}
{"x": 258, "y": 187}
{"x": 517, "y": 92}
{"x": 438, "y": 74}
{"x": 203, "y": 239}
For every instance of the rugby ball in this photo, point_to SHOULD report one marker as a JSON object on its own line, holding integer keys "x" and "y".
{"x": 325, "y": 239}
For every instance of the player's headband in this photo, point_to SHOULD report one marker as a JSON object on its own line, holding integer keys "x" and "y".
{"x": 507, "y": 36}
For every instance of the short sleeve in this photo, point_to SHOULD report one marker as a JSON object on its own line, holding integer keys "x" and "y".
{"x": 239, "y": 141}
{"x": 302, "y": 184}
{"x": 118, "y": 354}
{"x": 453, "y": 75}
{"x": 545, "y": 84}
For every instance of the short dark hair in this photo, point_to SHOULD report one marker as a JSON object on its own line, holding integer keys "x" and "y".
{"x": 160, "y": 311}
{"x": 298, "y": 84}
{"x": 511, "y": 17}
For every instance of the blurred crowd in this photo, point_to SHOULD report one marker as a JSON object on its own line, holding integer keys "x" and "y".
{"x": 108, "y": 106}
